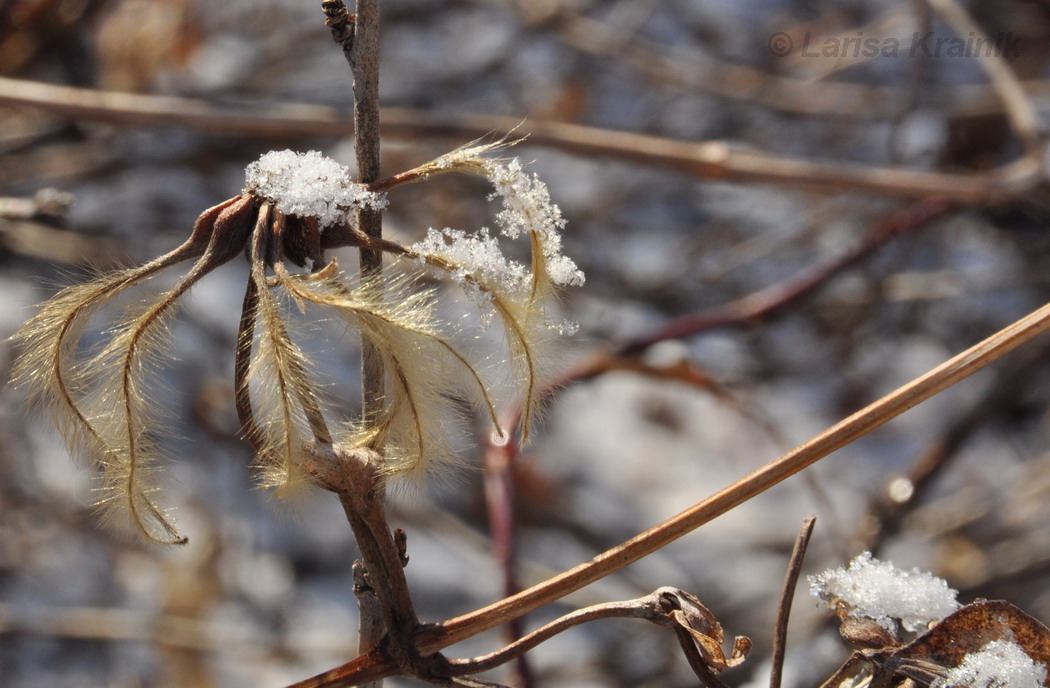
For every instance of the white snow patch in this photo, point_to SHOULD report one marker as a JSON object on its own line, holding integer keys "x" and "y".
{"x": 999, "y": 664}
{"x": 527, "y": 207}
{"x": 309, "y": 185}
{"x": 878, "y": 590}
{"x": 476, "y": 260}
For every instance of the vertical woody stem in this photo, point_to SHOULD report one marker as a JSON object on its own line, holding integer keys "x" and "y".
{"x": 364, "y": 61}
{"x": 358, "y": 35}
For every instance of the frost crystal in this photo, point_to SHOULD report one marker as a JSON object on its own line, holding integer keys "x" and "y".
{"x": 999, "y": 664}
{"x": 309, "y": 185}
{"x": 476, "y": 260}
{"x": 527, "y": 207}
{"x": 878, "y": 590}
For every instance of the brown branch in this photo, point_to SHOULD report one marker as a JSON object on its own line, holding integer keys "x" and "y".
{"x": 363, "y": 55}
{"x": 787, "y": 594}
{"x": 772, "y": 300}
{"x": 353, "y": 475}
{"x": 384, "y": 601}
{"x": 840, "y": 434}
{"x": 715, "y": 160}
{"x": 650, "y": 607}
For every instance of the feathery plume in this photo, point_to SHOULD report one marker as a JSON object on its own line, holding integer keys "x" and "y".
{"x": 277, "y": 370}
{"x": 520, "y": 296}
{"x": 417, "y": 359}
{"x": 100, "y": 404}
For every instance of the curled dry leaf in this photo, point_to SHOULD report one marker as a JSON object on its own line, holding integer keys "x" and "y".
{"x": 689, "y": 613}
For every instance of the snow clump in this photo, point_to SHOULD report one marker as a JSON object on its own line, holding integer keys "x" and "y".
{"x": 999, "y": 664}
{"x": 309, "y": 185}
{"x": 878, "y": 590}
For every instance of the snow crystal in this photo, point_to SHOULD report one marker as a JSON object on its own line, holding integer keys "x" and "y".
{"x": 877, "y": 590}
{"x": 527, "y": 207}
{"x": 562, "y": 270}
{"x": 309, "y": 185}
{"x": 999, "y": 664}
{"x": 475, "y": 260}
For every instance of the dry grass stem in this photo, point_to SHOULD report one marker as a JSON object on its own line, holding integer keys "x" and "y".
{"x": 835, "y": 437}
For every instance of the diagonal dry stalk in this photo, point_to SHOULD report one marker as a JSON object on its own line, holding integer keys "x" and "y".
{"x": 430, "y": 639}
{"x": 842, "y": 433}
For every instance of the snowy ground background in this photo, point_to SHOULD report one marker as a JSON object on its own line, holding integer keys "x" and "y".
{"x": 261, "y": 596}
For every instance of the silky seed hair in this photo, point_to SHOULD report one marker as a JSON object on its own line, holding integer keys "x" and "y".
{"x": 295, "y": 206}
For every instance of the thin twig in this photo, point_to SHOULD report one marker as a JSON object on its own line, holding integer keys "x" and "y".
{"x": 696, "y": 660}
{"x": 770, "y": 301}
{"x": 364, "y": 62}
{"x": 787, "y": 594}
{"x": 1018, "y": 108}
{"x": 647, "y": 607}
{"x": 384, "y": 602}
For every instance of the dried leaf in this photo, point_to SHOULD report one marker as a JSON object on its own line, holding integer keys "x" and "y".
{"x": 706, "y": 631}
{"x": 968, "y": 630}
